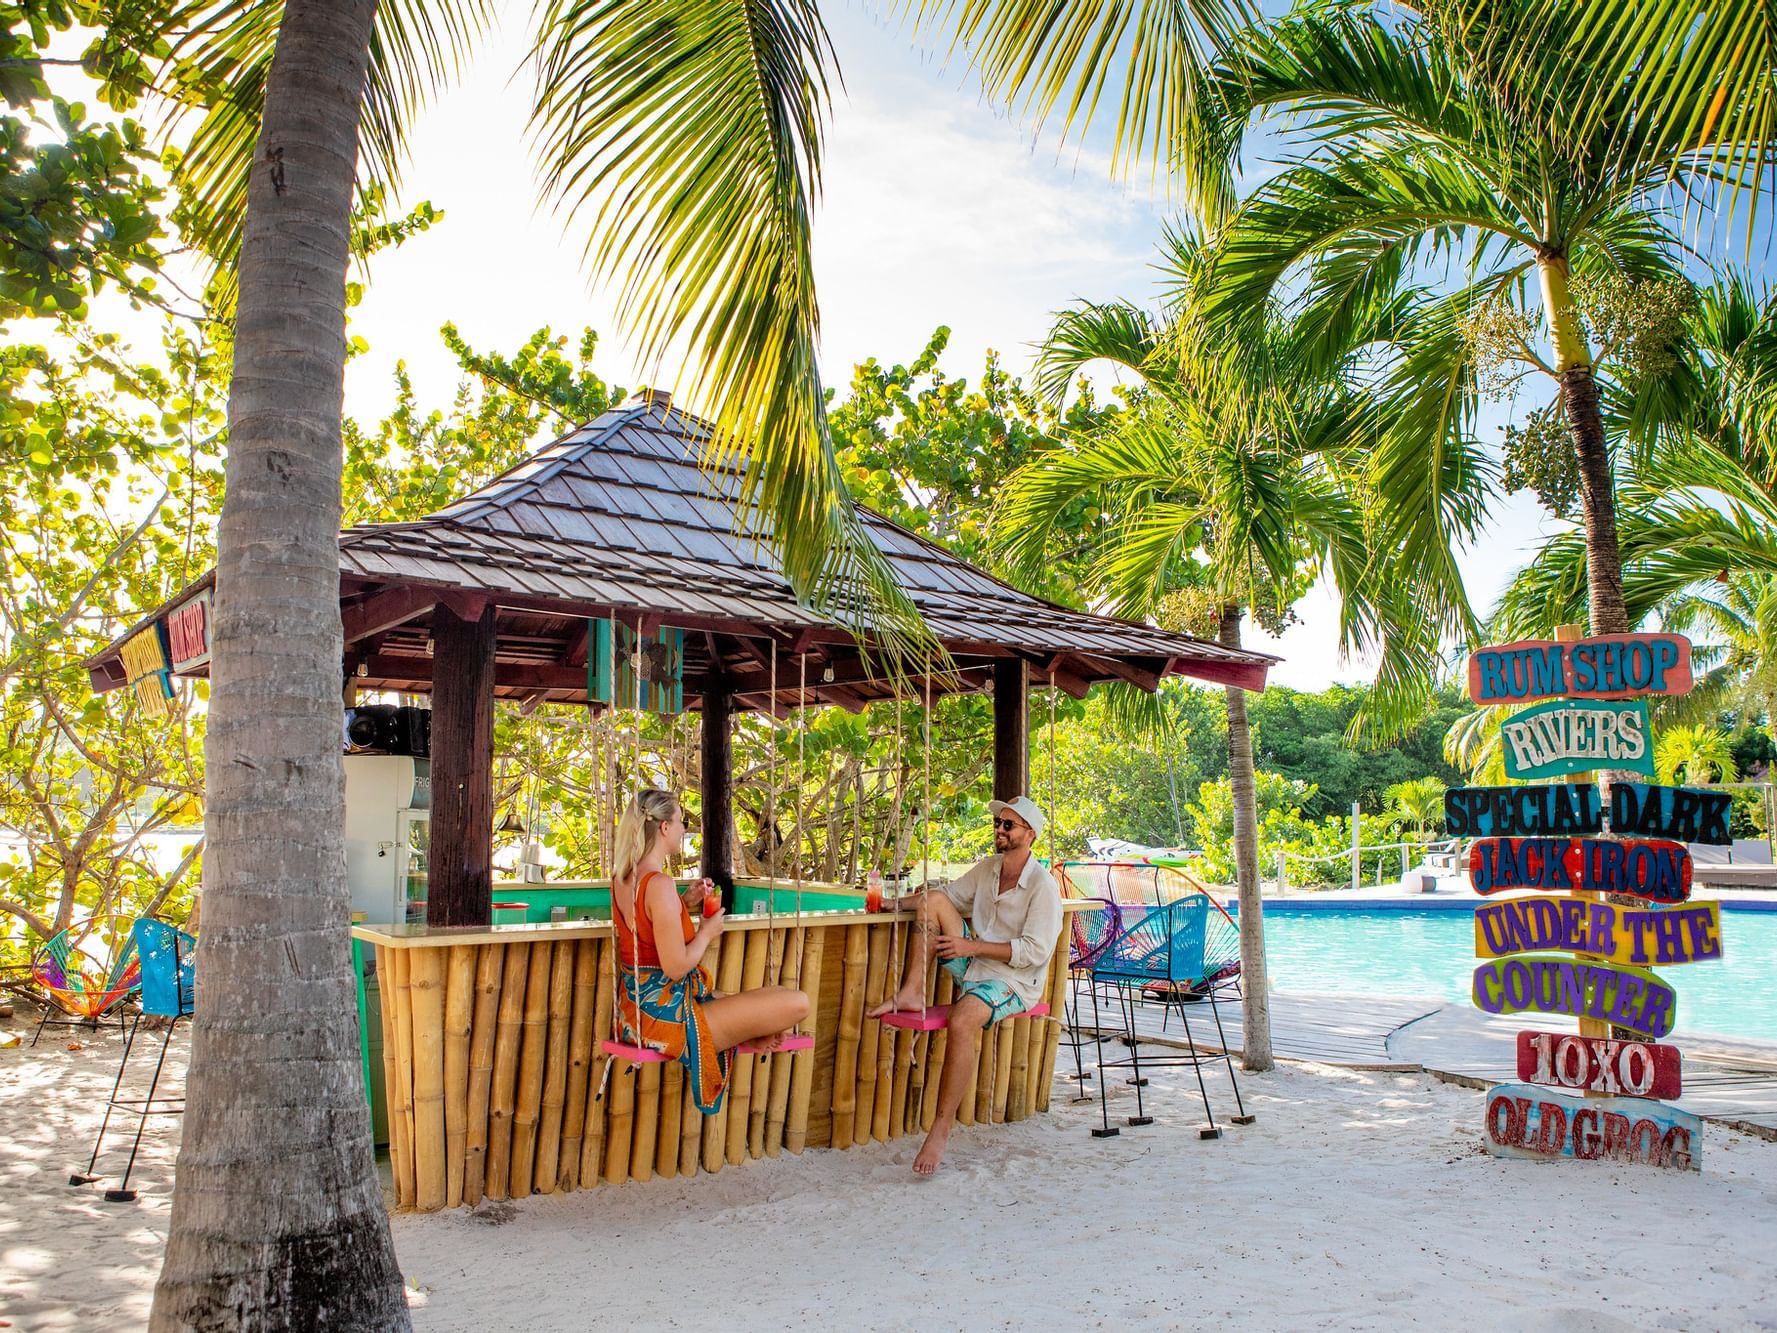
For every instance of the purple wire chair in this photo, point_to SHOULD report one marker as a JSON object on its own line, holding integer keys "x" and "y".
{"x": 1090, "y": 935}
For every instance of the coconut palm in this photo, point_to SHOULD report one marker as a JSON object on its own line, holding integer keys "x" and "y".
{"x": 1696, "y": 755}
{"x": 1227, "y": 485}
{"x": 1419, "y": 801}
{"x": 1424, "y": 150}
{"x": 688, "y": 134}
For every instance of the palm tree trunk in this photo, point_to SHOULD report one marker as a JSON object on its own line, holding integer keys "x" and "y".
{"x": 1579, "y": 399}
{"x": 277, "y": 1219}
{"x": 1254, "y": 988}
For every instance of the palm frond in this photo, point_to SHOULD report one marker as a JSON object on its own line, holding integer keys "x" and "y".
{"x": 692, "y": 136}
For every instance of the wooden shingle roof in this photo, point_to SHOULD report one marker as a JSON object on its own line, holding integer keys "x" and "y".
{"x": 619, "y": 517}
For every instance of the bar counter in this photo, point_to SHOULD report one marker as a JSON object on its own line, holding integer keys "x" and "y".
{"x": 494, "y": 1073}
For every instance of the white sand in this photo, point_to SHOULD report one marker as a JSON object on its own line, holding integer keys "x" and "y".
{"x": 1359, "y": 1200}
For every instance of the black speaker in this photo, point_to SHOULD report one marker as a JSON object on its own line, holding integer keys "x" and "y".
{"x": 386, "y": 729}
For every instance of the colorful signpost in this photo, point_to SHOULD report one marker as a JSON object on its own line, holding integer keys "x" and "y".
{"x": 1496, "y": 812}
{"x": 1641, "y": 936}
{"x": 1599, "y": 1064}
{"x": 1630, "y": 997}
{"x": 1688, "y": 814}
{"x": 1587, "y": 952}
{"x": 1555, "y": 739}
{"x": 1657, "y": 871}
{"x": 1524, "y": 1121}
{"x": 1612, "y": 666}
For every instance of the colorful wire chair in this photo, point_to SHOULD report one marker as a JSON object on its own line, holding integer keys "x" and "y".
{"x": 1165, "y": 951}
{"x": 1090, "y": 934}
{"x": 87, "y": 971}
{"x": 168, "y": 964}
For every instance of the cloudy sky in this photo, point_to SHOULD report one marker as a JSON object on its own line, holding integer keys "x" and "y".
{"x": 938, "y": 209}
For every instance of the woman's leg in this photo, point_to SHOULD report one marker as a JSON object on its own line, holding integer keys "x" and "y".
{"x": 936, "y": 916}
{"x": 766, "y": 1012}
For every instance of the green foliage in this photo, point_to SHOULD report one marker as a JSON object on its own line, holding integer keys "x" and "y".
{"x": 77, "y": 210}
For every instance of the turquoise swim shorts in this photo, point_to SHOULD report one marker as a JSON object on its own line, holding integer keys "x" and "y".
{"x": 999, "y": 998}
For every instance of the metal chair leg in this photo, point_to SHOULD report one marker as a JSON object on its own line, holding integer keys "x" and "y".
{"x": 1242, "y": 1118}
{"x": 1106, "y": 1129}
{"x": 1141, "y": 1116}
{"x": 123, "y": 1060}
{"x": 123, "y": 1193}
{"x": 1208, "y": 1131}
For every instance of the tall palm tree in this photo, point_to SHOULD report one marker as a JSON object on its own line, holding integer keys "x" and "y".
{"x": 1427, "y": 150}
{"x": 1232, "y": 480}
{"x": 690, "y": 131}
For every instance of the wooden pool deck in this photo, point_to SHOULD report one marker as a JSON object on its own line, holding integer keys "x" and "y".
{"x": 1734, "y": 1084}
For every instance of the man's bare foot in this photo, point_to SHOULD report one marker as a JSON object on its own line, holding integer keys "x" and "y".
{"x": 902, "y": 1001}
{"x": 931, "y": 1152}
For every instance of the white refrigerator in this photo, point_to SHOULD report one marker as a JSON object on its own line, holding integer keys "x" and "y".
{"x": 388, "y": 836}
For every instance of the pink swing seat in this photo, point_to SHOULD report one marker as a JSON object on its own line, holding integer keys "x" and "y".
{"x": 935, "y": 1016}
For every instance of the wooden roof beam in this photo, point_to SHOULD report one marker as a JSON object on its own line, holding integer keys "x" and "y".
{"x": 383, "y": 611}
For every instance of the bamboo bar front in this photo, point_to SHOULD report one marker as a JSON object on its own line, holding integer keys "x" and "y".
{"x": 497, "y": 1087}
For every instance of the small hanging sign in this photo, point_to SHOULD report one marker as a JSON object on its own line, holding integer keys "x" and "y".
{"x": 188, "y": 633}
{"x": 1641, "y": 936}
{"x": 1490, "y": 812}
{"x": 662, "y": 663}
{"x": 1611, "y": 666}
{"x": 1548, "y": 984}
{"x": 1555, "y": 739}
{"x": 145, "y": 666}
{"x": 1524, "y": 1121}
{"x": 1600, "y": 1064}
{"x": 1684, "y": 814}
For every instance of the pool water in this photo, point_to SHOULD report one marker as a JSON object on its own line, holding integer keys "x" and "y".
{"x": 1367, "y": 951}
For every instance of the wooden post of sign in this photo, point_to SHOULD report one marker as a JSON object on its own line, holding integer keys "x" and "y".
{"x": 1589, "y": 1027}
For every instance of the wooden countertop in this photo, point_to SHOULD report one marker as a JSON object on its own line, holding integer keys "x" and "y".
{"x": 415, "y": 936}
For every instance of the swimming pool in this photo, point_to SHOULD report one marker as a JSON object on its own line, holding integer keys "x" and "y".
{"x": 1322, "y": 949}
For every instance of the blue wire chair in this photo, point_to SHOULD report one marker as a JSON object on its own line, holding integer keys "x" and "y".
{"x": 1164, "y": 953}
{"x": 168, "y": 958}
{"x": 1090, "y": 934}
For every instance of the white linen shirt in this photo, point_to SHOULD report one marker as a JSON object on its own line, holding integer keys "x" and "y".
{"x": 1027, "y": 916}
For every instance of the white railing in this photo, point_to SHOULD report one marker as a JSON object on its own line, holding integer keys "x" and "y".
{"x": 1426, "y": 847}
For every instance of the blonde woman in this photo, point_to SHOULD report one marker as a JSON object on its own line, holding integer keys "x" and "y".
{"x": 668, "y": 1003}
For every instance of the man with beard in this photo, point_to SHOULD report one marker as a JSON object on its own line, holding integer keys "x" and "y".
{"x": 999, "y": 957}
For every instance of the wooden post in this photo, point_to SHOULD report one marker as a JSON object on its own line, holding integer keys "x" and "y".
{"x": 1589, "y": 1027}
{"x": 802, "y": 1063}
{"x": 851, "y": 1017}
{"x": 506, "y": 1044}
{"x": 672, "y": 1115}
{"x": 391, "y": 970}
{"x": 461, "y": 884}
{"x": 547, "y": 1174}
{"x": 740, "y": 1080}
{"x": 489, "y": 968}
{"x": 718, "y": 783}
{"x": 870, "y": 1037}
{"x": 647, "y": 1123}
{"x": 426, "y": 988}
{"x": 580, "y": 1038}
{"x": 592, "y": 1143}
{"x": 530, "y": 1071}
{"x": 459, "y": 1001}
{"x": 1011, "y": 728}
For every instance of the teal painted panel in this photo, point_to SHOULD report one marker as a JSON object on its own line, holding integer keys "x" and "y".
{"x": 1553, "y": 740}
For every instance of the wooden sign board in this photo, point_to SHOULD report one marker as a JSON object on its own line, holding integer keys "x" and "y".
{"x": 1555, "y": 739}
{"x": 1611, "y": 666}
{"x": 660, "y": 659}
{"x": 1549, "y": 984}
{"x": 1550, "y": 809}
{"x": 188, "y": 633}
{"x": 1640, "y": 936}
{"x": 1600, "y": 1064}
{"x": 1524, "y": 1121}
{"x": 1684, "y": 814}
{"x": 1643, "y": 868}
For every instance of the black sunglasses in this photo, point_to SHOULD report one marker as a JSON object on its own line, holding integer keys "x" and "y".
{"x": 1007, "y": 824}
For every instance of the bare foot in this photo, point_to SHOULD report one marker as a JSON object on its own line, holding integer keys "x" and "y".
{"x": 768, "y": 1043}
{"x": 902, "y": 1001}
{"x": 931, "y": 1152}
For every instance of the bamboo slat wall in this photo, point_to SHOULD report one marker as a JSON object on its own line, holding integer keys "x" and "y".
{"x": 497, "y": 1088}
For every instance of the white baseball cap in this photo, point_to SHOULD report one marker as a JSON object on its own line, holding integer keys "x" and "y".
{"x": 1025, "y": 809}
